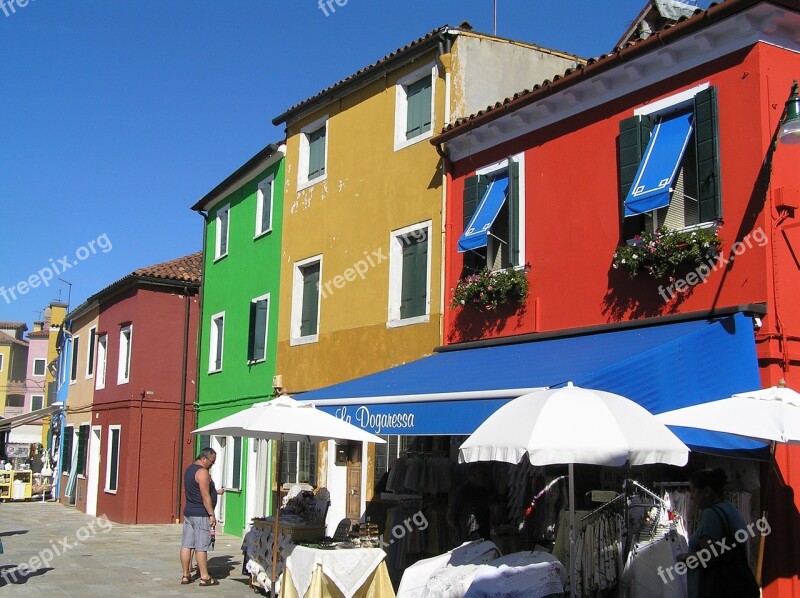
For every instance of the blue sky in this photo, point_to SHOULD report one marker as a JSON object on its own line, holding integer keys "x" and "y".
{"x": 116, "y": 117}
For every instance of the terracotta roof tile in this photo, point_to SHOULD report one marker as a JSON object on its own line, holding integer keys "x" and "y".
{"x": 12, "y": 325}
{"x": 7, "y": 339}
{"x": 185, "y": 269}
{"x": 39, "y": 334}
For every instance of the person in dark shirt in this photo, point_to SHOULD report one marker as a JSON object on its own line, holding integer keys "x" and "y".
{"x": 198, "y": 516}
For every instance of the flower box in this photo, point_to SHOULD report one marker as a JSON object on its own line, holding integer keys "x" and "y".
{"x": 487, "y": 290}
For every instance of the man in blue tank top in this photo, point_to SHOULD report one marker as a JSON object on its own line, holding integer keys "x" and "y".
{"x": 198, "y": 516}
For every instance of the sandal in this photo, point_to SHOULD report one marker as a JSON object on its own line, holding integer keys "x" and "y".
{"x": 208, "y": 582}
{"x": 185, "y": 580}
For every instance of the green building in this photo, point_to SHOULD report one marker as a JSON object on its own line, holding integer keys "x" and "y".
{"x": 239, "y": 325}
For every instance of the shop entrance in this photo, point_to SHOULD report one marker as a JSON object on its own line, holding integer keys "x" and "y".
{"x": 354, "y": 481}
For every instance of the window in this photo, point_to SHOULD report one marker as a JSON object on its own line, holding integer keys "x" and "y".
{"x": 124, "y": 371}
{"x": 494, "y": 217}
{"x": 216, "y": 342}
{"x": 413, "y": 117}
{"x": 409, "y": 275}
{"x": 102, "y": 346}
{"x": 264, "y": 207}
{"x": 66, "y": 451}
{"x": 312, "y": 164}
{"x": 669, "y": 167}
{"x": 112, "y": 460}
{"x": 73, "y": 371}
{"x": 15, "y": 400}
{"x": 39, "y": 366}
{"x": 37, "y": 402}
{"x": 257, "y": 338}
{"x": 221, "y": 238}
{"x": 299, "y": 464}
{"x": 2, "y": 360}
{"x": 90, "y": 352}
{"x": 83, "y": 443}
{"x": 232, "y": 465}
{"x": 305, "y": 301}
{"x": 385, "y": 454}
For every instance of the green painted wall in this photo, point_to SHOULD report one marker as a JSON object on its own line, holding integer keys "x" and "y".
{"x": 251, "y": 269}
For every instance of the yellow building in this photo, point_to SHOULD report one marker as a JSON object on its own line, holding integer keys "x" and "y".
{"x": 362, "y": 245}
{"x": 361, "y": 272}
{"x": 13, "y": 363}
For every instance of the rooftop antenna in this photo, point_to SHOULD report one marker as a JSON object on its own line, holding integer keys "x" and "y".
{"x": 495, "y": 17}
{"x": 69, "y": 293}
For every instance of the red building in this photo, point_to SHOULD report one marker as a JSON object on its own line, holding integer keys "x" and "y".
{"x": 571, "y": 151}
{"x": 147, "y": 333}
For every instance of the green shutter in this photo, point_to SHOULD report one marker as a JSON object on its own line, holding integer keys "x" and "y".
{"x": 634, "y": 133}
{"x": 83, "y": 442}
{"x": 67, "y": 450}
{"x": 308, "y": 321}
{"x": 474, "y": 189}
{"x": 418, "y": 110}
{"x": 251, "y": 333}
{"x": 414, "y": 291}
{"x": 706, "y": 142}
{"x": 513, "y": 213}
{"x": 266, "y": 208}
{"x": 260, "y": 329}
{"x": 316, "y": 153}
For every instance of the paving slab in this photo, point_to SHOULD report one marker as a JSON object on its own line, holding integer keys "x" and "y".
{"x": 70, "y": 553}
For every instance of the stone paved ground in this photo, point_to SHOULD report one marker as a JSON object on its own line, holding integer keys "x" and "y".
{"x": 102, "y": 560}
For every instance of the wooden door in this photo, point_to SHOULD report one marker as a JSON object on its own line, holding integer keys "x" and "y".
{"x": 354, "y": 482}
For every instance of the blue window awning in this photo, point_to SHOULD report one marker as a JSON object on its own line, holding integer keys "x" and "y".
{"x": 661, "y": 367}
{"x": 659, "y": 166}
{"x": 476, "y": 235}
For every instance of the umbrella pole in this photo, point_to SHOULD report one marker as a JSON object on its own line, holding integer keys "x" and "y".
{"x": 277, "y": 516}
{"x": 773, "y": 464}
{"x": 571, "y": 475}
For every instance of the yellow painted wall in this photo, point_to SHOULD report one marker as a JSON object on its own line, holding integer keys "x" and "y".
{"x": 5, "y": 351}
{"x": 81, "y": 393}
{"x": 370, "y": 191}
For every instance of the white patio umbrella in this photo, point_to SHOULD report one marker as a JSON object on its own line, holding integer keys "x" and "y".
{"x": 573, "y": 425}
{"x": 769, "y": 415}
{"x": 286, "y": 419}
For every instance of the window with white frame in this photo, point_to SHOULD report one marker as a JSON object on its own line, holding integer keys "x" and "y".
{"x": 112, "y": 460}
{"x": 102, "y": 347}
{"x": 222, "y": 226}
{"x": 299, "y": 463}
{"x": 90, "y": 348}
{"x": 257, "y": 336}
{"x": 409, "y": 275}
{"x": 124, "y": 365}
{"x": 306, "y": 300}
{"x": 669, "y": 163}
{"x": 216, "y": 341}
{"x": 313, "y": 158}
{"x": 2, "y": 361}
{"x": 66, "y": 449}
{"x": 39, "y": 367}
{"x": 232, "y": 464}
{"x": 37, "y": 402}
{"x": 494, "y": 217}
{"x": 414, "y": 107}
{"x": 264, "y": 206}
{"x": 73, "y": 370}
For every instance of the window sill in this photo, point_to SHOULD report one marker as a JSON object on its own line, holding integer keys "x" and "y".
{"x": 301, "y": 185}
{"x": 304, "y": 340}
{"x": 107, "y": 491}
{"x": 220, "y": 257}
{"x": 256, "y": 361}
{"x": 263, "y": 233}
{"x": 686, "y": 229}
{"x": 402, "y": 144}
{"x": 408, "y": 321}
{"x": 121, "y": 382}
{"x": 214, "y": 371}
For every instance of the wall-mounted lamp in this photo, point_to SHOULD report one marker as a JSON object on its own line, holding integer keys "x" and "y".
{"x": 790, "y": 130}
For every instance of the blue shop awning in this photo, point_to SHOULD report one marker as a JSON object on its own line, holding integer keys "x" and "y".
{"x": 659, "y": 166}
{"x": 660, "y": 367}
{"x": 476, "y": 234}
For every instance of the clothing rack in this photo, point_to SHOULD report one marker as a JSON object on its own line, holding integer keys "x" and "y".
{"x": 646, "y": 490}
{"x": 603, "y": 507}
{"x": 672, "y": 484}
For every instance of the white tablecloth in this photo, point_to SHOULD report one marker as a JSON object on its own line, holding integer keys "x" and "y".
{"x": 416, "y": 577}
{"x": 528, "y": 574}
{"x": 348, "y": 569}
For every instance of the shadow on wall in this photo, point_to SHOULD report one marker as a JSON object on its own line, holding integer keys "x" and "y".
{"x": 474, "y": 323}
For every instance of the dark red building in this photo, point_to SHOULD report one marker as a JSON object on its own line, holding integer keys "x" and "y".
{"x": 570, "y": 150}
{"x": 148, "y": 329}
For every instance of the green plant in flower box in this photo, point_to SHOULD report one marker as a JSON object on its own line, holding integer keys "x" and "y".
{"x": 665, "y": 252}
{"x": 488, "y": 290}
